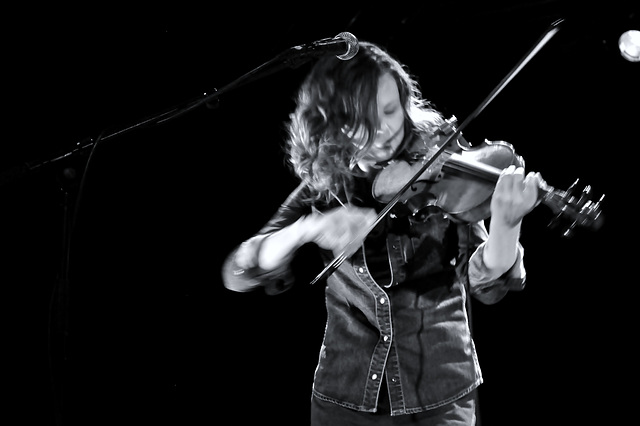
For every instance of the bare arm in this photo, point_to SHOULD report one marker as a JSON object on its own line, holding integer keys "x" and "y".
{"x": 515, "y": 196}
{"x": 332, "y": 230}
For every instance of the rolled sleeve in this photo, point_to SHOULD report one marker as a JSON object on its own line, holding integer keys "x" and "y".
{"x": 250, "y": 277}
{"x": 490, "y": 288}
{"x": 247, "y": 275}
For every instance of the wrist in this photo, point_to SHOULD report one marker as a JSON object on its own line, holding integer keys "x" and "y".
{"x": 303, "y": 228}
{"x": 502, "y": 245}
{"x": 505, "y": 224}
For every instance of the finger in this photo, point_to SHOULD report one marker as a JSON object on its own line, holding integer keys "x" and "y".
{"x": 535, "y": 179}
{"x": 509, "y": 179}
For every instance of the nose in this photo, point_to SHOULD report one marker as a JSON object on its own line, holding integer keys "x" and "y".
{"x": 384, "y": 129}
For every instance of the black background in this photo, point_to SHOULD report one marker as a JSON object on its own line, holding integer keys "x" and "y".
{"x": 134, "y": 326}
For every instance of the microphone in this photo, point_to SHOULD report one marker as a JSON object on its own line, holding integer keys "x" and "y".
{"x": 344, "y": 46}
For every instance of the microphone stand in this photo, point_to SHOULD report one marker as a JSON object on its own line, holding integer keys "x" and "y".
{"x": 58, "y": 333}
{"x": 290, "y": 58}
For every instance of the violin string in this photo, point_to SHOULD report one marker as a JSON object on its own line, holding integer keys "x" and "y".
{"x": 337, "y": 199}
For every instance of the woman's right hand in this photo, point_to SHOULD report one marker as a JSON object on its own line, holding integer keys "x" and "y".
{"x": 342, "y": 228}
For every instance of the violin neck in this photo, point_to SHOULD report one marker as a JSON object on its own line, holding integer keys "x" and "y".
{"x": 457, "y": 162}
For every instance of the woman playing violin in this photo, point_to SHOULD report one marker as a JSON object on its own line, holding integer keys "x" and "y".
{"x": 397, "y": 347}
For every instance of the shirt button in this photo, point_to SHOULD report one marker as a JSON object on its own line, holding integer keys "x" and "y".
{"x": 375, "y": 376}
{"x": 382, "y": 300}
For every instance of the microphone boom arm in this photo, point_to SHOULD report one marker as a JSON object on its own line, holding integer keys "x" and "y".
{"x": 293, "y": 57}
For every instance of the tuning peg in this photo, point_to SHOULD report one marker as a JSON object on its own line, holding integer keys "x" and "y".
{"x": 591, "y": 211}
{"x": 568, "y": 233}
{"x": 569, "y": 192}
{"x": 584, "y": 197}
{"x": 553, "y": 223}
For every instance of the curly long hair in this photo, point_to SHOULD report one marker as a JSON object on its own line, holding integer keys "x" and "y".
{"x": 338, "y": 99}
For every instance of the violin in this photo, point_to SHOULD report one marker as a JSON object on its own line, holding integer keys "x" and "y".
{"x": 462, "y": 184}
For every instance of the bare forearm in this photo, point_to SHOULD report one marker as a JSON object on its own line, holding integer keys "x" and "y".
{"x": 278, "y": 247}
{"x": 515, "y": 195}
{"x": 501, "y": 249}
{"x": 336, "y": 230}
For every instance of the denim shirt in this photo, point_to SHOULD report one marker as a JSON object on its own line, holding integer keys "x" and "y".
{"x": 399, "y": 314}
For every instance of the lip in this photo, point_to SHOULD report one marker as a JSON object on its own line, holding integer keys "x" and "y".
{"x": 389, "y": 142}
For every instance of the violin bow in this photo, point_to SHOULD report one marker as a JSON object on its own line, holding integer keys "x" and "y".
{"x": 342, "y": 256}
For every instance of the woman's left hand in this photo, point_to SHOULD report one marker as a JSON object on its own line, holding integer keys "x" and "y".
{"x": 515, "y": 195}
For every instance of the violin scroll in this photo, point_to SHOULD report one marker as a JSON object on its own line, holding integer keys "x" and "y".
{"x": 580, "y": 209}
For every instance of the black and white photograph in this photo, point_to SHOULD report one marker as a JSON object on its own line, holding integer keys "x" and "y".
{"x": 405, "y": 213}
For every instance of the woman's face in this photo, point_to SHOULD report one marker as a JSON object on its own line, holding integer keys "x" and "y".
{"x": 391, "y": 118}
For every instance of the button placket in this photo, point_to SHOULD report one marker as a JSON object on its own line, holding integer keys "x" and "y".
{"x": 383, "y": 316}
